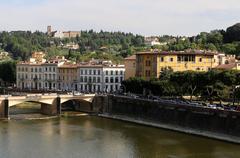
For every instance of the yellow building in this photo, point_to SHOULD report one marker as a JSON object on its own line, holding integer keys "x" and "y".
{"x": 151, "y": 64}
{"x": 38, "y": 55}
{"x": 130, "y": 65}
{"x": 67, "y": 77}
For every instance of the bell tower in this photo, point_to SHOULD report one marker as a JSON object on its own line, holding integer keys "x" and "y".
{"x": 49, "y": 30}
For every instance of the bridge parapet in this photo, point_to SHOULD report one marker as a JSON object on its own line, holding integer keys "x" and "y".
{"x": 50, "y": 104}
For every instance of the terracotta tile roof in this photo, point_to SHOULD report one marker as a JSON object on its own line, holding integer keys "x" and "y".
{"x": 226, "y": 66}
{"x": 196, "y": 52}
{"x": 133, "y": 57}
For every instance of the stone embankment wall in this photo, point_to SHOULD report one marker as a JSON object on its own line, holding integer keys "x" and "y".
{"x": 217, "y": 123}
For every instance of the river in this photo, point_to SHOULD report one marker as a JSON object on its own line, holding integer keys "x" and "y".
{"x": 95, "y": 137}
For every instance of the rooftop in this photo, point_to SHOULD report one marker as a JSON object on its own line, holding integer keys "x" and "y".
{"x": 187, "y": 52}
{"x": 226, "y": 66}
{"x": 133, "y": 57}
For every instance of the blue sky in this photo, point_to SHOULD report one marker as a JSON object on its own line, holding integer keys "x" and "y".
{"x": 146, "y": 17}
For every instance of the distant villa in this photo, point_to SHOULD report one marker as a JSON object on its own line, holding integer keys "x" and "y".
{"x": 62, "y": 34}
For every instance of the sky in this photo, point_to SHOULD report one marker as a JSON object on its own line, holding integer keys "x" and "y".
{"x": 145, "y": 17}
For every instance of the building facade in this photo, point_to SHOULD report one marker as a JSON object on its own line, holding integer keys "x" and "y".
{"x": 100, "y": 78}
{"x": 67, "y": 77}
{"x": 39, "y": 76}
{"x": 63, "y": 75}
{"x": 113, "y": 76}
{"x": 90, "y": 78}
{"x": 151, "y": 64}
{"x": 130, "y": 64}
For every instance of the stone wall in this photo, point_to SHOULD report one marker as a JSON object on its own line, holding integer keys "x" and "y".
{"x": 197, "y": 118}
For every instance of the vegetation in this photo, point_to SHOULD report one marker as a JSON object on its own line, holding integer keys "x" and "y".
{"x": 8, "y": 72}
{"x": 212, "y": 85}
{"x": 21, "y": 43}
{"x": 217, "y": 40}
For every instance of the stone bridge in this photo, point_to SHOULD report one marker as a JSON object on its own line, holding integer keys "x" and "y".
{"x": 50, "y": 103}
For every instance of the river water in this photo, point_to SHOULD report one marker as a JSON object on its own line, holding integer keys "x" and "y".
{"x": 94, "y": 137}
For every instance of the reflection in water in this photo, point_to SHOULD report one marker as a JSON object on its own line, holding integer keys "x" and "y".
{"x": 94, "y": 137}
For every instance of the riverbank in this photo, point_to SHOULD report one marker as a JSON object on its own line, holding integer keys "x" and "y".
{"x": 191, "y": 131}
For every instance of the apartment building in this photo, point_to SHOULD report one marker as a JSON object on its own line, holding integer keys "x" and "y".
{"x": 151, "y": 64}
{"x": 60, "y": 74}
{"x": 100, "y": 78}
{"x": 130, "y": 64}
{"x": 40, "y": 76}
{"x": 37, "y": 73}
{"x": 67, "y": 77}
{"x": 113, "y": 75}
{"x": 90, "y": 78}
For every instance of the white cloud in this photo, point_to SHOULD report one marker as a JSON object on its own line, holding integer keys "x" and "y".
{"x": 178, "y": 17}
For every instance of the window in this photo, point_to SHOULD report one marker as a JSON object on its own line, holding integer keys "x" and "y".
{"x": 179, "y": 58}
{"x": 81, "y": 72}
{"x": 99, "y": 80}
{"x": 111, "y": 72}
{"x": 106, "y": 79}
{"x": 111, "y": 87}
{"x": 116, "y": 72}
{"x": 148, "y": 63}
{"x": 90, "y": 79}
{"x": 161, "y": 59}
{"x": 85, "y": 72}
{"x": 106, "y": 72}
{"x": 200, "y": 59}
{"x": 94, "y": 72}
{"x": 81, "y": 79}
{"x": 121, "y": 72}
{"x": 111, "y": 80}
{"x": 116, "y": 80}
{"x": 85, "y": 79}
{"x": 98, "y": 72}
{"x": 171, "y": 59}
{"x": 90, "y": 72}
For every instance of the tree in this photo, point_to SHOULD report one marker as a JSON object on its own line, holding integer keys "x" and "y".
{"x": 233, "y": 33}
{"x": 229, "y": 48}
{"x": 8, "y": 71}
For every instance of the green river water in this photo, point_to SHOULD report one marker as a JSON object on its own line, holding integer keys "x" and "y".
{"x": 95, "y": 137}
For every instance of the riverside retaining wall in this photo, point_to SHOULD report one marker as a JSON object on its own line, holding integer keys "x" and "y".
{"x": 203, "y": 120}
